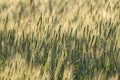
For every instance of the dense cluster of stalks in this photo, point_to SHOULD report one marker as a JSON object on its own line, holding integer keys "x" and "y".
{"x": 59, "y": 40}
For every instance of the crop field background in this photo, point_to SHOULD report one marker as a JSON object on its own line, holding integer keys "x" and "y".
{"x": 60, "y": 40}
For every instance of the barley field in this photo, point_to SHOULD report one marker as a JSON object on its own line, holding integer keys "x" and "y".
{"x": 59, "y": 39}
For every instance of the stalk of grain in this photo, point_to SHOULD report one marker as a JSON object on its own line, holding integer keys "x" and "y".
{"x": 31, "y": 5}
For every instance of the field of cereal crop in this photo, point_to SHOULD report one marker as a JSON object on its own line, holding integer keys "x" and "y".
{"x": 59, "y": 40}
